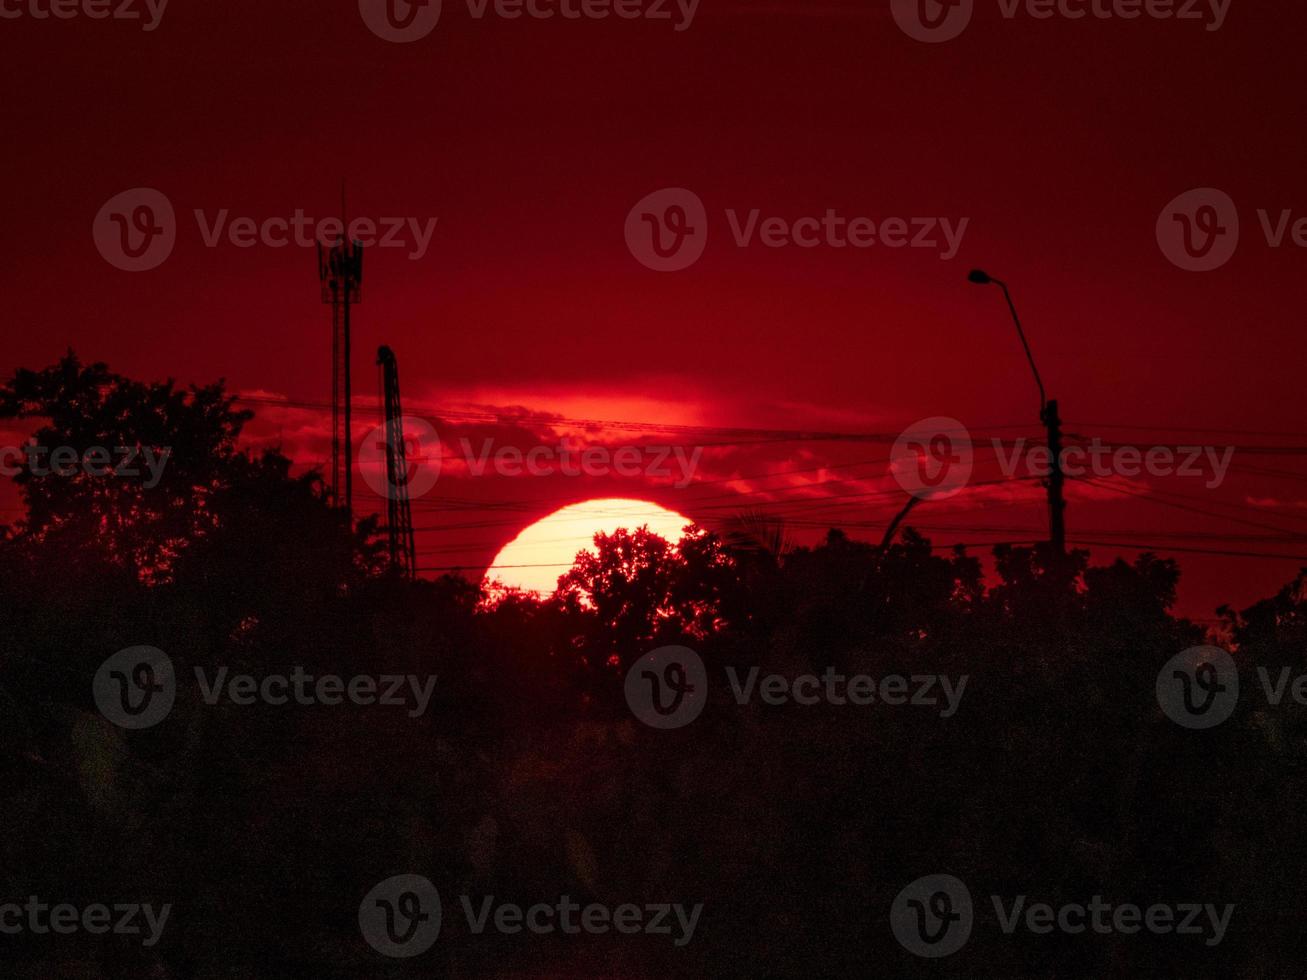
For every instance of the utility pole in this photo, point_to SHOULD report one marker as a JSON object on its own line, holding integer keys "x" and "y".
{"x": 1052, "y": 423}
{"x": 1056, "y": 478}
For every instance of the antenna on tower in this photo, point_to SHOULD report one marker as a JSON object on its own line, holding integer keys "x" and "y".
{"x": 340, "y": 270}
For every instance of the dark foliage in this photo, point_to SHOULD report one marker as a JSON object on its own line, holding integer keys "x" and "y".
{"x": 527, "y": 778}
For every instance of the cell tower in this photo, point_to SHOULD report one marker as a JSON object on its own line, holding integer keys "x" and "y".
{"x": 340, "y": 268}
{"x": 399, "y": 514}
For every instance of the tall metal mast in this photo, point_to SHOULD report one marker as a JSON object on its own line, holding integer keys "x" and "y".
{"x": 340, "y": 269}
{"x": 399, "y": 514}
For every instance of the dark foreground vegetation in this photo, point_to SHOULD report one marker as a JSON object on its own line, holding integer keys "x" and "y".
{"x": 528, "y": 778}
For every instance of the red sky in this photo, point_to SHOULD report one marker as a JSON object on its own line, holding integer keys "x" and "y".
{"x": 1059, "y": 140}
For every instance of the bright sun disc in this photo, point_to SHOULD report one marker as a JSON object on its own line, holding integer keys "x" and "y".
{"x": 534, "y": 559}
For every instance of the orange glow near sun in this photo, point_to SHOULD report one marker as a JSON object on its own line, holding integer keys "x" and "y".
{"x": 534, "y": 559}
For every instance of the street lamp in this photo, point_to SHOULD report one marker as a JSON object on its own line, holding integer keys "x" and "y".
{"x": 982, "y": 278}
{"x": 1047, "y": 416}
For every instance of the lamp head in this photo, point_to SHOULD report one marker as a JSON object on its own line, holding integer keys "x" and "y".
{"x": 979, "y": 277}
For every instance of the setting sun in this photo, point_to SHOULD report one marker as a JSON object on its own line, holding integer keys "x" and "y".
{"x": 535, "y": 558}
